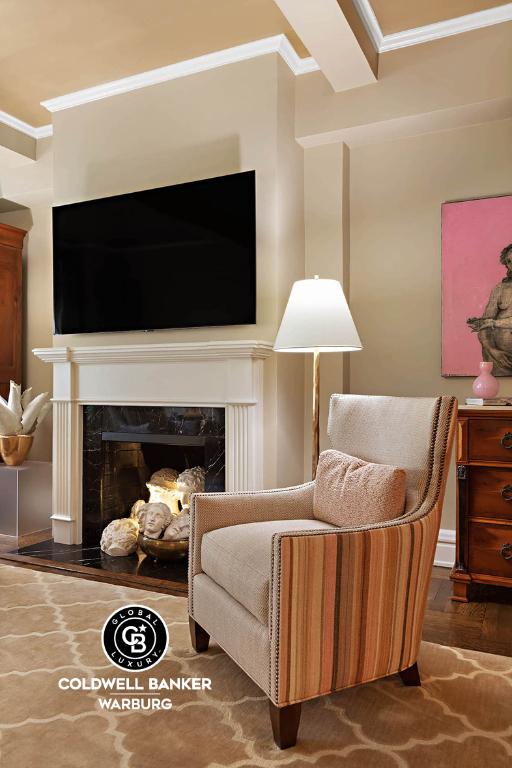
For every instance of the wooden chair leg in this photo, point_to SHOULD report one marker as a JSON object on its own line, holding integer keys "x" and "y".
{"x": 199, "y": 637}
{"x": 285, "y": 724}
{"x": 411, "y": 675}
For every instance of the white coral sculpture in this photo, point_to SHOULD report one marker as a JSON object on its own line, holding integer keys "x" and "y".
{"x": 20, "y": 414}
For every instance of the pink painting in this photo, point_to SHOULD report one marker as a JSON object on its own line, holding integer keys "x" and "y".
{"x": 477, "y": 286}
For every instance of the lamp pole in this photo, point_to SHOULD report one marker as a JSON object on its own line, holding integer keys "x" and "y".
{"x": 316, "y": 412}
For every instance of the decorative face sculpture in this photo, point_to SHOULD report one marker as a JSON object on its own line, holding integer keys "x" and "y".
{"x": 190, "y": 481}
{"x": 157, "y": 518}
{"x": 165, "y": 477}
{"x": 179, "y": 528}
{"x": 120, "y": 537}
{"x": 138, "y": 513}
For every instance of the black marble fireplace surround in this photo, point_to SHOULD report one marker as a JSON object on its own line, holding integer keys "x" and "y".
{"x": 124, "y": 445}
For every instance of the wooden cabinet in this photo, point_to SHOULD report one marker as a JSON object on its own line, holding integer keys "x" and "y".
{"x": 11, "y": 244}
{"x": 484, "y": 499}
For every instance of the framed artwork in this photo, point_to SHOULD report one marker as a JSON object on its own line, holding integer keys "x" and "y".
{"x": 477, "y": 285}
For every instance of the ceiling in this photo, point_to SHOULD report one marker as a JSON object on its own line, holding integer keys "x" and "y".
{"x": 397, "y": 15}
{"x": 52, "y": 47}
{"x": 49, "y": 48}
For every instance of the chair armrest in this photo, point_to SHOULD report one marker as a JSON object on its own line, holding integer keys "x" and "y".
{"x": 347, "y": 607}
{"x": 209, "y": 511}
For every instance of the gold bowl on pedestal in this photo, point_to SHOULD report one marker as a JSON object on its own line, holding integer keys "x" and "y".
{"x": 163, "y": 549}
{"x": 14, "y": 449}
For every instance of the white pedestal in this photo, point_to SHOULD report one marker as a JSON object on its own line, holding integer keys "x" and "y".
{"x": 25, "y": 498}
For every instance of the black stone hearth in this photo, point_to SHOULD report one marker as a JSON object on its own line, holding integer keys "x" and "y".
{"x": 92, "y": 557}
{"x": 124, "y": 445}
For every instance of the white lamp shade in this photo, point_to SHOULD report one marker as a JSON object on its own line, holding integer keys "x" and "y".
{"x": 317, "y": 318}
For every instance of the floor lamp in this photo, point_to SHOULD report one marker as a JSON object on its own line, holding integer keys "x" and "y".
{"x": 317, "y": 319}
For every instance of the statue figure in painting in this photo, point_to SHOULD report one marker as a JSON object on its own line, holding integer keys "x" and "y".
{"x": 494, "y": 327}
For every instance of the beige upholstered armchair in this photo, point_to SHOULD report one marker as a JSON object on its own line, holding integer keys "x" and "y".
{"x": 303, "y": 607}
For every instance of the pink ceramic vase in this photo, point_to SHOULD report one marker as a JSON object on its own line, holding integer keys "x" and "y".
{"x": 485, "y": 385}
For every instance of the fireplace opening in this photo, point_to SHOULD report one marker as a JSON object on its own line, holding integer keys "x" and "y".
{"x": 125, "y": 446}
{"x": 131, "y": 460}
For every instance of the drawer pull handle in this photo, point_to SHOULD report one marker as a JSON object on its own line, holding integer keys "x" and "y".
{"x": 506, "y": 551}
{"x": 506, "y": 492}
{"x": 506, "y": 440}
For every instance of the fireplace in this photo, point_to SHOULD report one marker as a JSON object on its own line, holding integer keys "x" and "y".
{"x": 223, "y": 380}
{"x": 124, "y": 445}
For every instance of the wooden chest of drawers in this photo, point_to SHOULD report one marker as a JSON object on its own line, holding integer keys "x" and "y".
{"x": 484, "y": 499}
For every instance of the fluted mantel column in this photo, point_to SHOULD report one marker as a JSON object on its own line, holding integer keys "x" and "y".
{"x": 67, "y": 473}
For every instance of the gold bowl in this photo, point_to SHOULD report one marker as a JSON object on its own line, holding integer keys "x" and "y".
{"x": 14, "y": 449}
{"x": 162, "y": 549}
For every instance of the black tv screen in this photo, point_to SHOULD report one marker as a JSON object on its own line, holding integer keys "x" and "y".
{"x": 173, "y": 257}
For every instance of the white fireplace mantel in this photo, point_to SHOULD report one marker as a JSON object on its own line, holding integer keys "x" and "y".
{"x": 223, "y": 374}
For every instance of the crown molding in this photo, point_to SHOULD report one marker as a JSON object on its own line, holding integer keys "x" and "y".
{"x": 370, "y": 23}
{"x": 145, "y": 353}
{"x": 43, "y": 131}
{"x": 20, "y": 125}
{"x": 276, "y": 44}
{"x": 429, "y": 32}
{"x": 290, "y": 56}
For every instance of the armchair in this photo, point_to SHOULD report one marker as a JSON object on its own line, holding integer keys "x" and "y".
{"x": 306, "y": 608}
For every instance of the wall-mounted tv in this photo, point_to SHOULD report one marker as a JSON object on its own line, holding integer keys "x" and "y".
{"x": 174, "y": 257}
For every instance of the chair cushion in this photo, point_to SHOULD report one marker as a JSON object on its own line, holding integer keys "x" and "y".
{"x": 351, "y": 492}
{"x": 238, "y": 558}
{"x": 387, "y": 430}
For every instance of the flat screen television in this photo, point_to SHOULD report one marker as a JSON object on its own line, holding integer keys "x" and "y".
{"x": 174, "y": 257}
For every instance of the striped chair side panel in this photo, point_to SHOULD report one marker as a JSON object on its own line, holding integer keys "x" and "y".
{"x": 351, "y": 606}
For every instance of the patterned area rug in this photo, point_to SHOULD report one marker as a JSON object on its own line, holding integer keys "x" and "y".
{"x": 50, "y": 629}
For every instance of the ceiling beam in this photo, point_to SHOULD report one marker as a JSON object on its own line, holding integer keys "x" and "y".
{"x": 326, "y": 33}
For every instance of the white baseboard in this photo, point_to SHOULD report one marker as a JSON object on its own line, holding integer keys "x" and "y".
{"x": 445, "y": 550}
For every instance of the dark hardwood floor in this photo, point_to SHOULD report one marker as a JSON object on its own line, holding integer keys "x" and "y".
{"x": 8, "y": 543}
{"x": 485, "y": 624}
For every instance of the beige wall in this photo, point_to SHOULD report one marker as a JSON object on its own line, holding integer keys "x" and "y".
{"x": 396, "y": 193}
{"x": 326, "y": 209}
{"x": 289, "y": 264}
{"x": 17, "y": 143}
{"x": 31, "y": 185}
{"x": 234, "y": 118}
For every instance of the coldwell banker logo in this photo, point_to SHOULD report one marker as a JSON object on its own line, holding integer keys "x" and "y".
{"x": 134, "y": 638}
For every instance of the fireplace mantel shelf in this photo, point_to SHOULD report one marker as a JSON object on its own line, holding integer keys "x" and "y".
{"x": 141, "y": 353}
{"x": 227, "y": 374}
